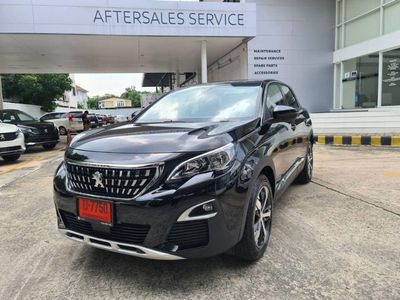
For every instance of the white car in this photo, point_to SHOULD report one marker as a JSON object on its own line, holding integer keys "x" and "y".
{"x": 12, "y": 142}
{"x": 120, "y": 118}
{"x": 65, "y": 121}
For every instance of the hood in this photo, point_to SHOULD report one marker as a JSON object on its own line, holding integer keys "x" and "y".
{"x": 36, "y": 124}
{"x": 162, "y": 137}
{"x": 4, "y": 128}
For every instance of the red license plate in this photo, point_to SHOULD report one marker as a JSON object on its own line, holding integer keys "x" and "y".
{"x": 95, "y": 210}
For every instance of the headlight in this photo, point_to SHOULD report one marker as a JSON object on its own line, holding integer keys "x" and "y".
{"x": 28, "y": 130}
{"x": 216, "y": 160}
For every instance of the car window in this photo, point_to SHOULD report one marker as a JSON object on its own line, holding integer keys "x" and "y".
{"x": 76, "y": 114}
{"x": 215, "y": 103}
{"x": 289, "y": 98}
{"x": 46, "y": 117}
{"x": 11, "y": 116}
{"x": 274, "y": 97}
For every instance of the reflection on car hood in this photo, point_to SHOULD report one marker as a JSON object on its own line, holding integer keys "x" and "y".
{"x": 162, "y": 137}
{"x": 4, "y": 128}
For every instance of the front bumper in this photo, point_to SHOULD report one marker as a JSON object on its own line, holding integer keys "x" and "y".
{"x": 37, "y": 140}
{"x": 156, "y": 225}
{"x": 16, "y": 146}
{"x": 128, "y": 249}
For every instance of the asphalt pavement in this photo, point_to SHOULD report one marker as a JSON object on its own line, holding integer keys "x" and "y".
{"x": 335, "y": 238}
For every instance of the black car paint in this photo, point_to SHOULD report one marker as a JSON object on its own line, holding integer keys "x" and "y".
{"x": 275, "y": 148}
{"x": 44, "y": 132}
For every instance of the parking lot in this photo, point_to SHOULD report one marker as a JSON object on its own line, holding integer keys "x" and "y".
{"x": 337, "y": 237}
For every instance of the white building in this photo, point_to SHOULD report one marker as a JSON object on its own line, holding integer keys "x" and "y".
{"x": 76, "y": 97}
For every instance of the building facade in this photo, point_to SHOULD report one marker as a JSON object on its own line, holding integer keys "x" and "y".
{"x": 367, "y": 54}
{"x": 338, "y": 55}
{"x": 115, "y": 102}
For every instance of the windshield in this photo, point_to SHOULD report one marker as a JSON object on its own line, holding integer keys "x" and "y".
{"x": 15, "y": 116}
{"x": 215, "y": 103}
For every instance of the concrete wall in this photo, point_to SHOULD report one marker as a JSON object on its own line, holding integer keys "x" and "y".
{"x": 232, "y": 66}
{"x": 295, "y": 44}
{"x": 33, "y": 110}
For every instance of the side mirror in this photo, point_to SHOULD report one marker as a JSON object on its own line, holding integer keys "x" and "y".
{"x": 284, "y": 113}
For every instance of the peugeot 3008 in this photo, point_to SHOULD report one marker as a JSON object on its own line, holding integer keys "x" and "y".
{"x": 36, "y": 133}
{"x": 194, "y": 175}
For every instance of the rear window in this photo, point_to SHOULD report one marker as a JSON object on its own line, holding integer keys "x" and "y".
{"x": 76, "y": 114}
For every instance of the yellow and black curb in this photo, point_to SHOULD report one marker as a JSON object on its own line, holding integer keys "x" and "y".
{"x": 358, "y": 140}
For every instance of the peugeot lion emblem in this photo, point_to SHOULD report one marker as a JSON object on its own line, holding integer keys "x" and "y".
{"x": 46, "y": 131}
{"x": 2, "y": 137}
{"x": 98, "y": 178}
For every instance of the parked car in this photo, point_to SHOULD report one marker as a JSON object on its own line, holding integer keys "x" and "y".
{"x": 65, "y": 121}
{"x": 110, "y": 119}
{"x": 195, "y": 175}
{"x": 120, "y": 118}
{"x": 35, "y": 132}
{"x": 101, "y": 120}
{"x": 12, "y": 142}
{"x": 94, "y": 122}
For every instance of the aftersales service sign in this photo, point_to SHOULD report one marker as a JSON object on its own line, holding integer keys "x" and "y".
{"x": 127, "y": 17}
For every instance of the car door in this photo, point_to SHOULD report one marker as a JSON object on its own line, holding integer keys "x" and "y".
{"x": 280, "y": 132}
{"x": 300, "y": 126}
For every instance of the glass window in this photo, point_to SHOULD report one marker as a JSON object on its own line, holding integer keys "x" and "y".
{"x": 15, "y": 115}
{"x": 391, "y": 19}
{"x": 220, "y": 102}
{"x": 362, "y": 29}
{"x": 355, "y": 8}
{"x": 391, "y": 78}
{"x": 339, "y": 8}
{"x": 360, "y": 82}
{"x": 288, "y": 97}
{"x": 47, "y": 117}
{"x": 274, "y": 98}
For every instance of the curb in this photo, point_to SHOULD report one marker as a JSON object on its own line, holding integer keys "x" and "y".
{"x": 358, "y": 140}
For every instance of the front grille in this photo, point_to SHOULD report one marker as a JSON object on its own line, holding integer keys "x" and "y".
{"x": 189, "y": 234}
{"x": 123, "y": 233}
{"x": 109, "y": 182}
{"x": 8, "y": 136}
{"x": 8, "y": 149}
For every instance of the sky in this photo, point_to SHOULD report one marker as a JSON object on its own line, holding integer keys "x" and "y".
{"x": 100, "y": 84}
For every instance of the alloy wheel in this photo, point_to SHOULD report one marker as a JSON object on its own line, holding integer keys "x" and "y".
{"x": 262, "y": 217}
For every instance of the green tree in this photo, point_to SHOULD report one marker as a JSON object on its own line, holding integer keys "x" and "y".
{"x": 132, "y": 94}
{"x": 93, "y": 102}
{"x": 38, "y": 89}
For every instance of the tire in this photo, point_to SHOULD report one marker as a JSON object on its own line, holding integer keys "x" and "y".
{"x": 255, "y": 237}
{"x": 62, "y": 130}
{"x": 305, "y": 175}
{"x": 11, "y": 158}
{"x": 49, "y": 146}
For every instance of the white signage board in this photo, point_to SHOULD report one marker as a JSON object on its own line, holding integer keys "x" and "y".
{"x": 127, "y": 17}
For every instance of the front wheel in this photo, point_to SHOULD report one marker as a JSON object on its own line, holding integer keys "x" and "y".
{"x": 11, "y": 158}
{"x": 49, "y": 146}
{"x": 305, "y": 175}
{"x": 62, "y": 130}
{"x": 258, "y": 222}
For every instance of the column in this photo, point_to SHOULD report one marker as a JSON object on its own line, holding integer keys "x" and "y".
{"x": 203, "y": 61}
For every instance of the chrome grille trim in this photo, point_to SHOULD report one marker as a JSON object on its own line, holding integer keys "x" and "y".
{"x": 78, "y": 183}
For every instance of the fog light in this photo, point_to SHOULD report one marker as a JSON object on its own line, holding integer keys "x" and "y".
{"x": 208, "y": 207}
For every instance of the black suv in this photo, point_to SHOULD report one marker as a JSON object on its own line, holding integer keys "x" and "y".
{"x": 36, "y": 133}
{"x": 193, "y": 175}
